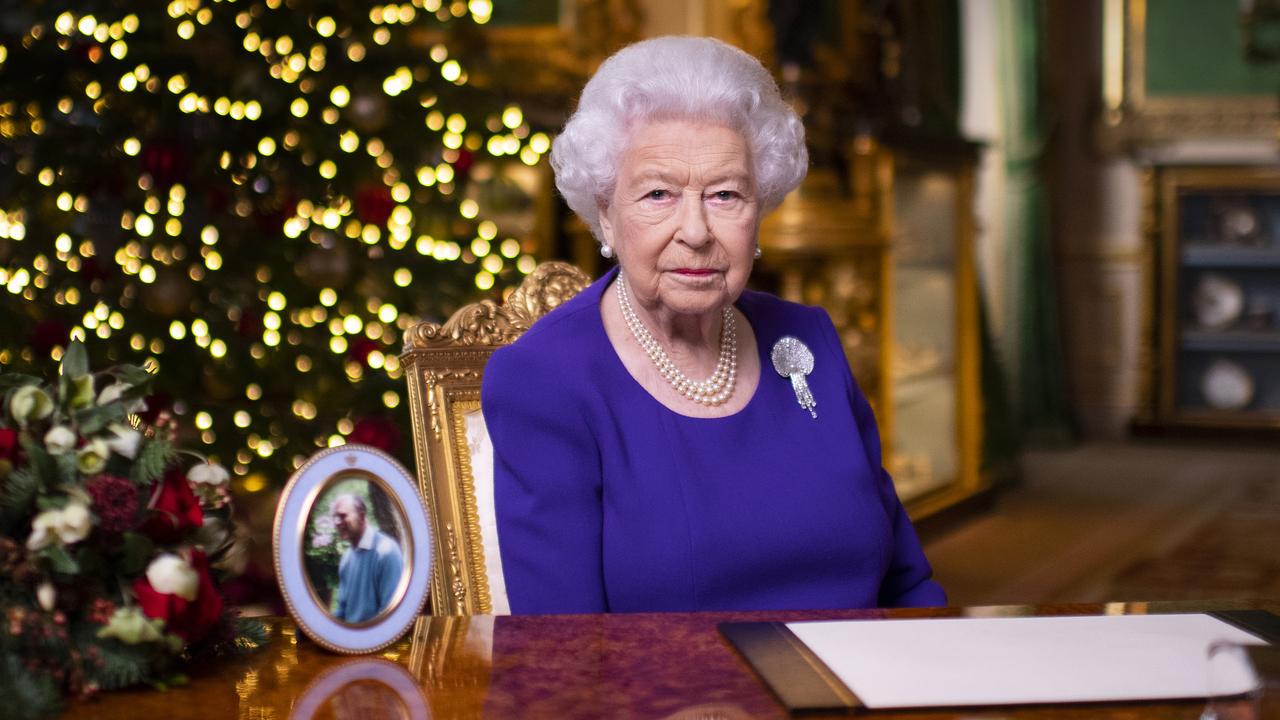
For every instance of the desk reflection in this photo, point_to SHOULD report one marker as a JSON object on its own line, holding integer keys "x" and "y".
{"x": 362, "y": 689}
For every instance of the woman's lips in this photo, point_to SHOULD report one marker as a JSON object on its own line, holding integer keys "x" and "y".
{"x": 695, "y": 272}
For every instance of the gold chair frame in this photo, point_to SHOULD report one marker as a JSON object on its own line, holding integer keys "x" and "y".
{"x": 444, "y": 364}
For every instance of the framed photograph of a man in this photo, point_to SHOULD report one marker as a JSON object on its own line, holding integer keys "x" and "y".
{"x": 352, "y": 549}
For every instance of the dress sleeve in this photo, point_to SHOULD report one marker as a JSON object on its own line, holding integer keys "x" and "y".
{"x": 547, "y": 485}
{"x": 908, "y": 582}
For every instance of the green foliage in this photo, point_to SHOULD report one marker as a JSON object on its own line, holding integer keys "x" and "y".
{"x": 251, "y": 635}
{"x": 75, "y": 362}
{"x": 60, "y": 560}
{"x": 95, "y": 419}
{"x": 25, "y": 695}
{"x": 18, "y": 493}
{"x": 13, "y": 381}
{"x": 42, "y": 464}
{"x": 122, "y": 665}
{"x": 135, "y": 551}
{"x": 153, "y": 457}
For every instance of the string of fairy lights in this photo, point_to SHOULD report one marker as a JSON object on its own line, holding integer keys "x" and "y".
{"x": 165, "y": 240}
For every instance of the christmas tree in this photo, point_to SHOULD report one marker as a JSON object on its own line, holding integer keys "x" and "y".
{"x": 258, "y": 197}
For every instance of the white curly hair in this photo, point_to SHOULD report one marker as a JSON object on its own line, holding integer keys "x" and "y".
{"x": 676, "y": 78}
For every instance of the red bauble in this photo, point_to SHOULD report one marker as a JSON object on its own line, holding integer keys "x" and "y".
{"x": 157, "y": 403}
{"x": 360, "y": 348}
{"x": 48, "y": 334}
{"x": 272, "y": 215}
{"x": 374, "y": 204}
{"x": 376, "y": 431}
{"x": 249, "y": 324}
{"x": 462, "y": 167}
{"x": 92, "y": 269}
{"x": 166, "y": 161}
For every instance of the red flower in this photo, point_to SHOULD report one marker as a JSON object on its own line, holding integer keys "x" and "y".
{"x": 8, "y": 444}
{"x": 174, "y": 508}
{"x": 115, "y": 502}
{"x": 190, "y": 620}
{"x": 9, "y": 450}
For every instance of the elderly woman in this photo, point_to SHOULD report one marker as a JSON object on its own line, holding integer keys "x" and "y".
{"x": 667, "y": 439}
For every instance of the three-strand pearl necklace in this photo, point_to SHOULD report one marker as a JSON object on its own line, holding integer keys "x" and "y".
{"x": 711, "y": 392}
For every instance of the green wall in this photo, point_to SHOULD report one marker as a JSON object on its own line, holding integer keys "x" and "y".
{"x": 1196, "y": 47}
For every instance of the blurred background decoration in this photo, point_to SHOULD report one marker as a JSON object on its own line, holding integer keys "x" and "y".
{"x": 257, "y": 197}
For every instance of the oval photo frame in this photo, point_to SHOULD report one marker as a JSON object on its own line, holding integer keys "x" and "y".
{"x": 352, "y": 513}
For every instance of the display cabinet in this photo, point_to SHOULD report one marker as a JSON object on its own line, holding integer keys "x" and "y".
{"x": 1216, "y": 355}
{"x": 888, "y": 252}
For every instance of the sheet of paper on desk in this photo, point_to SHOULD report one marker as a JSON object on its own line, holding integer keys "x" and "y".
{"x": 1004, "y": 661}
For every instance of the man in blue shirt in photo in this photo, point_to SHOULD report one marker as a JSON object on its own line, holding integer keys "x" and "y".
{"x": 370, "y": 568}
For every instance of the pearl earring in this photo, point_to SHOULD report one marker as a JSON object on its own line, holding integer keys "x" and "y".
{"x": 758, "y": 253}
{"x": 606, "y": 252}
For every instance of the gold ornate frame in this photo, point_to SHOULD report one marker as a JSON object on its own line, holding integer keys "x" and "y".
{"x": 1130, "y": 116}
{"x": 444, "y": 364}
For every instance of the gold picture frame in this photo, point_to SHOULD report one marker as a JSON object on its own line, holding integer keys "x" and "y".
{"x": 1132, "y": 115}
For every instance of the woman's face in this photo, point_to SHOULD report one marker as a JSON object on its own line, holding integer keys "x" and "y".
{"x": 684, "y": 216}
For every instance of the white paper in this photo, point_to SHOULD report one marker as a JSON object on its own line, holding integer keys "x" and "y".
{"x": 1003, "y": 661}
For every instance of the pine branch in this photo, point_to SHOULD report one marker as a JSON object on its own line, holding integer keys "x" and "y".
{"x": 152, "y": 459}
{"x": 25, "y": 695}
{"x": 17, "y": 498}
{"x": 122, "y": 665}
{"x": 43, "y": 467}
{"x": 251, "y": 635}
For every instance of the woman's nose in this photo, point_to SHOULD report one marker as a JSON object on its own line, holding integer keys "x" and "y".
{"x": 694, "y": 230}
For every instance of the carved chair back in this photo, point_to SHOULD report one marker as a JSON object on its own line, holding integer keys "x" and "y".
{"x": 444, "y": 364}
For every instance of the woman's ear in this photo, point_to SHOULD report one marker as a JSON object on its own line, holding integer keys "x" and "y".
{"x": 606, "y": 226}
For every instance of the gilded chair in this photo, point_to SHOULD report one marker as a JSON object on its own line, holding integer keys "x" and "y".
{"x": 444, "y": 364}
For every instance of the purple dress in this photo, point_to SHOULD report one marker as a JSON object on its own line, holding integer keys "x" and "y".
{"x": 607, "y": 501}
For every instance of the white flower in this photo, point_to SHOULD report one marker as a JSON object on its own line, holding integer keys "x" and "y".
{"x": 30, "y": 403}
{"x": 42, "y": 529}
{"x": 93, "y": 456}
{"x": 170, "y": 574}
{"x": 208, "y": 474}
{"x": 46, "y": 595}
{"x": 76, "y": 522}
{"x": 59, "y": 439}
{"x": 69, "y": 524}
{"x": 124, "y": 441}
{"x": 115, "y": 391}
{"x": 130, "y": 626}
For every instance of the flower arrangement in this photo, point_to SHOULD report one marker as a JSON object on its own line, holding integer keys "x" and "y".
{"x": 112, "y": 542}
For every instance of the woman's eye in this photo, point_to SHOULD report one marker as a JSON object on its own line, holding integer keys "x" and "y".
{"x": 656, "y": 194}
{"x": 725, "y": 195}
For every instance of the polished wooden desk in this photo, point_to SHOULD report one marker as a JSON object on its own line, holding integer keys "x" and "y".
{"x": 654, "y": 666}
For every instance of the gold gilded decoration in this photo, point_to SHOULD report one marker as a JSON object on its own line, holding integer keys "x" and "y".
{"x": 1132, "y": 117}
{"x": 470, "y": 513}
{"x": 444, "y": 364}
{"x": 455, "y": 568}
{"x": 487, "y": 323}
